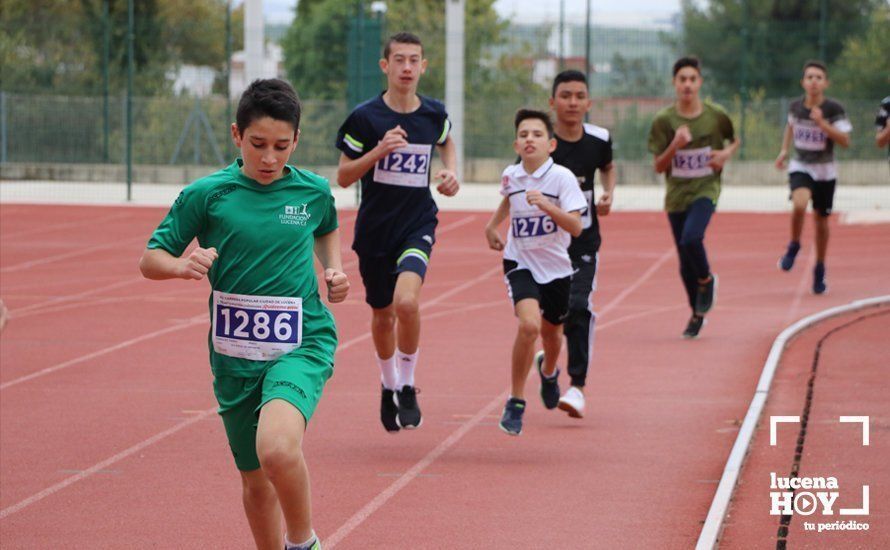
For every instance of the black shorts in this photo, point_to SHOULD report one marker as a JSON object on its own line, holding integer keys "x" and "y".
{"x": 379, "y": 273}
{"x": 553, "y": 297}
{"x": 821, "y": 190}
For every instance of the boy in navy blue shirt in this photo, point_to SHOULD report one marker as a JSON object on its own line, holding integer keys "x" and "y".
{"x": 388, "y": 142}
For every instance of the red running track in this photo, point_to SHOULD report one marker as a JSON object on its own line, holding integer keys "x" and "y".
{"x": 108, "y": 436}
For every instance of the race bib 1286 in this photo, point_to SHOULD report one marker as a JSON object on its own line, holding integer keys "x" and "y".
{"x": 259, "y": 328}
{"x": 407, "y": 166}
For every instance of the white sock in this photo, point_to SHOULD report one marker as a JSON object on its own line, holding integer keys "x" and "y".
{"x": 406, "y": 364}
{"x": 389, "y": 374}
{"x": 305, "y": 545}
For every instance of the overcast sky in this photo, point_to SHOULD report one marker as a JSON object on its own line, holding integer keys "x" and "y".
{"x": 618, "y": 12}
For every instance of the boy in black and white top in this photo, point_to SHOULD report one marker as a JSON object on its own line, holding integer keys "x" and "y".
{"x": 815, "y": 124}
{"x": 545, "y": 206}
{"x": 882, "y": 125}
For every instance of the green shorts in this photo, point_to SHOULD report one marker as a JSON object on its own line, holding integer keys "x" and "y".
{"x": 297, "y": 378}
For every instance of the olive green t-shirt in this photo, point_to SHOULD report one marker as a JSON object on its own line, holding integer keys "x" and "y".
{"x": 689, "y": 177}
{"x": 265, "y": 298}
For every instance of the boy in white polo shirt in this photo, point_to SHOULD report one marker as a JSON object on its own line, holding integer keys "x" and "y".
{"x": 545, "y": 206}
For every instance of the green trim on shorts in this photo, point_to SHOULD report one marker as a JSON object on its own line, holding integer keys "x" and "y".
{"x": 414, "y": 252}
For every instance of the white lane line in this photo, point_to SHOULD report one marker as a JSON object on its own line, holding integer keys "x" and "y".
{"x": 198, "y": 319}
{"x": 713, "y": 526}
{"x": 638, "y": 283}
{"x": 201, "y": 414}
{"x": 381, "y": 499}
{"x": 96, "y": 468}
{"x": 68, "y": 225}
{"x": 72, "y": 254}
{"x": 67, "y": 298}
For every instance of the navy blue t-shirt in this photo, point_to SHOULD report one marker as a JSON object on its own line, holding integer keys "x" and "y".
{"x": 396, "y": 198}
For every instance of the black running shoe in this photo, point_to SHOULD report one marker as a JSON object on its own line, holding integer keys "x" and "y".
{"x": 511, "y": 420}
{"x": 549, "y": 386}
{"x": 706, "y": 295}
{"x": 819, "y": 284}
{"x": 389, "y": 411}
{"x": 409, "y": 412}
{"x": 695, "y": 324}
{"x": 786, "y": 262}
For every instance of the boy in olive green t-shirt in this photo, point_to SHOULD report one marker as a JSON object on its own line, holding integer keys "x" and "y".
{"x": 688, "y": 140}
{"x": 258, "y": 223}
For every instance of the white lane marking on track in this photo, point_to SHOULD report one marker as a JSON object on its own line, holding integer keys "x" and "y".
{"x": 71, "y": 254}
{"x": 67, "y": 298}
{"x": 67, "y": 225}
{"x": 198, "y": 319}
{"x": 202, "y": 414}
{"x": 96, "y": 468}
{"x": 380, "y": 500}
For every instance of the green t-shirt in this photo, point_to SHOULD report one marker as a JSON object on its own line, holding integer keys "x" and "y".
{"x": 689, "y": 177}
{"x": 265, "y": 298}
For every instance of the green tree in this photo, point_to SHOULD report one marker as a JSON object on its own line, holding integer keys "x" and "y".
{"x": 636, "y": 76}
{"x": 863, "y": 69}
{"x": 781, "y": 35}
{"x": 57, "y": 45}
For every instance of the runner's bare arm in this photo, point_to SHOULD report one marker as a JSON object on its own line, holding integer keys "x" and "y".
{"x": 350, "y": 170}
{"x": 681, "y": 137}
{"x": 570, "y": 221}
{"x": 786, "y": 143}
{"x": 327, "y": 250}
{"x": 608, "y": 177}
{"x": 719, "y": 157}
{"x": 882, "y": 138}
{"x": 158, "y": 264}
{"x": 491, "y": 229}
{"x": 834, "y": 133}
{"x": 448, "y": 185}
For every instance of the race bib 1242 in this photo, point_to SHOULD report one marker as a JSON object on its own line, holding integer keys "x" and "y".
{"x": 407, "y": 166}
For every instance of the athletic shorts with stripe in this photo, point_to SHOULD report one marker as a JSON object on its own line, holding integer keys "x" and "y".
{"x": 581, "y": 319}
{"x": 553, "y": 296}
{"x": 379, "y": 273}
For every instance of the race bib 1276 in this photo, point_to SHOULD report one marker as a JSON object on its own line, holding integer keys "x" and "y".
{"x": 407, "y": 166}
{"x": 259, "y": 328}
{"x": 691, "y": 163}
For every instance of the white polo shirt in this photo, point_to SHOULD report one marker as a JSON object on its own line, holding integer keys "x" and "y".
{"x": 534, "y": 241}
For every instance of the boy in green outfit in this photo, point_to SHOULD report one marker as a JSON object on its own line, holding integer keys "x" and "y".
{"x": 689, "y": 141}
{"x": 272, "y": 340}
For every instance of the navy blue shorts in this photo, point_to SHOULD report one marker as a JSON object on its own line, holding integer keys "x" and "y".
{"x": 821, "y": 191}
{"x": 379, "y": 273}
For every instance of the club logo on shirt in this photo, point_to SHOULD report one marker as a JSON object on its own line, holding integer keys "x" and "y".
{"x": 295, "y": 215}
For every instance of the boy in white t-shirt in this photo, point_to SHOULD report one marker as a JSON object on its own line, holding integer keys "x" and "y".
{"x": 545, "y": 205}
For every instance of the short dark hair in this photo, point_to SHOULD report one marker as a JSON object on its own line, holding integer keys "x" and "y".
{"x": 525, "y": 114}
{"x": 687, "y": 61}
{"x": 403, "y": 37}
{"x": 270, "y": 97}
{"x": 815, "y": 63}
{"x": 570, "y": 75}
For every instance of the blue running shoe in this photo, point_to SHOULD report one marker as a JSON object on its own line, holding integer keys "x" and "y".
{"x": 819, "y": 284}
{"x": 786, "y": 262}
{"x": 549, "y": 386}
{"x": 511, "y": 420}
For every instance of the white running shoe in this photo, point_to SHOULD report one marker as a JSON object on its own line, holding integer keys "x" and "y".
{"x": 572, "y": 402}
